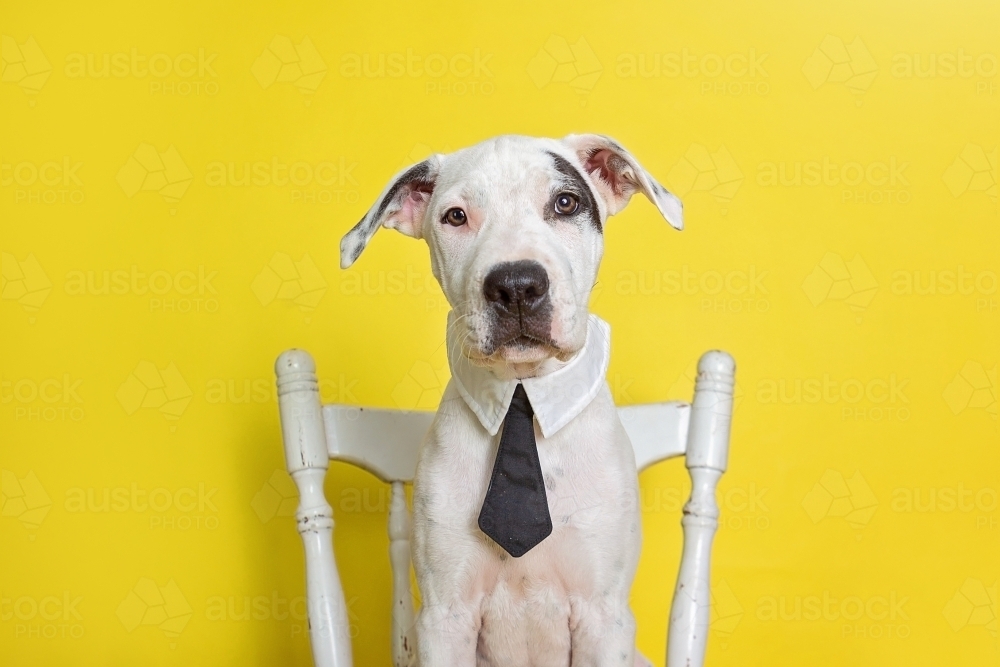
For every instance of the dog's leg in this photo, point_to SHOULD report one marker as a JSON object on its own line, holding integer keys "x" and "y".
{"x": 447, "y": 636}
{"x": 641, "y": 661}
{"x": 604, "y": 635}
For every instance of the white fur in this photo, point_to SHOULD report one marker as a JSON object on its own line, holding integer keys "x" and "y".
{"x": 566, "y": 597}
{"x": 565, "y": 602}
{"x": 502, "y": 184}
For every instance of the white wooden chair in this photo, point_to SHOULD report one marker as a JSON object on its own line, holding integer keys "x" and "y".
{"x": 385, "y": 443}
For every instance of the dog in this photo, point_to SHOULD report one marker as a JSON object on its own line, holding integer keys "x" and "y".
{"x": 515, "y": 228}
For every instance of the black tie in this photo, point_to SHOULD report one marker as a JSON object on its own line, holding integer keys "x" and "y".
{"x": 515, "y": 512}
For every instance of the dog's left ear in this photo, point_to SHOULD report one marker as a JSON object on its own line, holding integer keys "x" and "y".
{"x": 617, "y": 176}
{"x": 401, "y": 206}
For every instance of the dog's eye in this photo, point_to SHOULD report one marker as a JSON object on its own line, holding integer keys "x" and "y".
{"x": 566, "y": 204}
{"x": 455, "y": 217}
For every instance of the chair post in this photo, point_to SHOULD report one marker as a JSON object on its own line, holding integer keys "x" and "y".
{"x": 307, "y": 459}
{"x": 400, "y": 525}
{"x": 707, "y": 452}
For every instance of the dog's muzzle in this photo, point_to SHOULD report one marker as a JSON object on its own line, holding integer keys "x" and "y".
{"x": 517, "y": 294}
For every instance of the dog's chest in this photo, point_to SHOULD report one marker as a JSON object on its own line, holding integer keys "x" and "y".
{"x": 590, "y": 485}
{"x": 527, "y": 607}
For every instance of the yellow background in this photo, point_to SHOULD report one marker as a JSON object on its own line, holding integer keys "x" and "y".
{"x": 165, "y": 395}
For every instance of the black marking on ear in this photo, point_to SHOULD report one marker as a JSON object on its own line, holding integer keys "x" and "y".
{"x": 419, "y": 177}
{"x": 418, "y": 173}
{"x": 580, "y": 187}
{"x": 359, "y": 248}
{"x": 357, "y": 237}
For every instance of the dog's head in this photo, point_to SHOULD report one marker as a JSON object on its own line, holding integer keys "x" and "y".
{"x": 515, "y": 229}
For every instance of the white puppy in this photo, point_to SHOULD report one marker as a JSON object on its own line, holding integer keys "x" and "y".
{"x": 515, "y": 230}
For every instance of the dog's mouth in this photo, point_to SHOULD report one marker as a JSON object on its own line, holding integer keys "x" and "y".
{"x": 519, "y": 345}
{"x": 526, "y": 347}
{"x": 516, "y": 343}
{"x": 523, "y": 351}
{"x": 524, "y": 340}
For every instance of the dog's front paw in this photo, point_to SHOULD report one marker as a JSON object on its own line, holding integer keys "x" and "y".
{"x": 641, "y": 661}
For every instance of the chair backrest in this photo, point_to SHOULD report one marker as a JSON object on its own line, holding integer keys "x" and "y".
{"x": 385, "y": 443}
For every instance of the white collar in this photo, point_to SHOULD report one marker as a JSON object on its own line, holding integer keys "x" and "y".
{"x": 556, "y": 398}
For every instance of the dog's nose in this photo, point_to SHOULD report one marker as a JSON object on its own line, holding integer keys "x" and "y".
{"x": 517, "y": 287}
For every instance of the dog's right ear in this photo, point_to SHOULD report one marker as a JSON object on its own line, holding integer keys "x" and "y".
{"x": 401, "y": 206}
